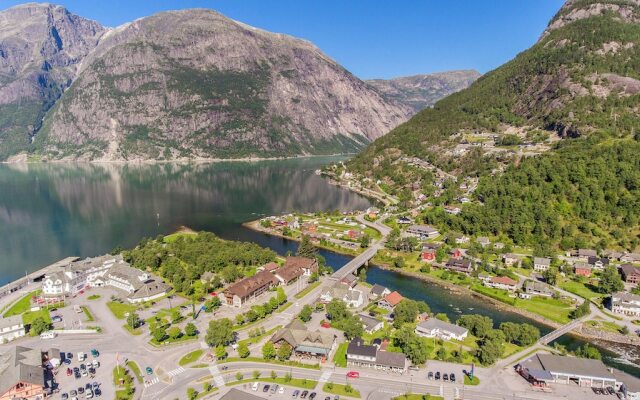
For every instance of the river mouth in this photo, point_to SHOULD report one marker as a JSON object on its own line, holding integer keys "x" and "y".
{"x": 52, "y": 211}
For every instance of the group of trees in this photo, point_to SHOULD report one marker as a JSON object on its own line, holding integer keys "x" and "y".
{"x": 341, "y": 318}
{"x": 407, "y": 311}
{"x": 161, "y": 330}
{"x": 219, "y": 333}
{"x": 282, "y": 353}
{"x": 396, "y": 242}
{"x": 183, "y": 261}
{"x": 260, "y": 311}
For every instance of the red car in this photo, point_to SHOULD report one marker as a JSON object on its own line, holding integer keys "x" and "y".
{"x": 353, "y": 374}
{"x": 69, "y": 372}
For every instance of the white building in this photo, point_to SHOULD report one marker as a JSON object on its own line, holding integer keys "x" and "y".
{"x": 625, "y": 303}
{"x": 434, "y": 327}
{"x": 423, "y": 231}
{"x": 541, "y": 264}
{"x": 11, "y": 328}
{"x": 353, "y": 298}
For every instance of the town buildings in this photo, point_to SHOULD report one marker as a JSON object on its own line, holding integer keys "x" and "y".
{"x": 305, "y": 343}
{"x": 626, "y": 304}
{"x": 370, "y": 324}
{"x": 459, "y": 265}
{"x": 630, "y": 274}
{"x": 390, "y": 301}
{"x": 541, "y": 264}
{"x": 11, "y": 328}
{"x": 582, "y": 269}
{"x": 378, "y": 292}
{"x": 295, "y": 268}
{"x": 511, "y": 260}
{"x": 353, "y": 298}
{"x": 248, "y": 289}
{"x": 434, "y": 327}
{"x": 423, "y": 231}
{"x": 501, "y": 282}
{"x": 24, "y": 373}
{"x": 71, "y": 278}
{"x": 371, "y": 356}
{"x": 549, "y": 368}
{"x": 535, "y": 288}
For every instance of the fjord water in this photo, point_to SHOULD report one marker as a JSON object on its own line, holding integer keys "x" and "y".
{"x": 51, "y": 211}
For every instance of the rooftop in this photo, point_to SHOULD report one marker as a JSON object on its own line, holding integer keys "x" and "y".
{"x": 434, "y": 323}
{"x": 568, "y": 366}
{"x": 393, "y": 298}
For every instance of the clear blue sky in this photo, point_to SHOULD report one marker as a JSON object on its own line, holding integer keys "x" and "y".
{"x": 371, "y": 38}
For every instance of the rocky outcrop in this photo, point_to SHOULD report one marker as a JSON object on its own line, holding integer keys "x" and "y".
{"x": 575, "y": 10}
{"x": 422, "y": 91}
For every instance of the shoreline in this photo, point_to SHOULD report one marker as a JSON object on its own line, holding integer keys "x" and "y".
{"x": 196, "y": 160}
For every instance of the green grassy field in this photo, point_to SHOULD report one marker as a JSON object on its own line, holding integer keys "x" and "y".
{"x": 29, "y": 316}
{"x": 340, "y": 390}
{"x": 340, "y": 358}
{"x": 415, "y": 396}
{"x": 308, "y": 289}
{"x": 133, "y": 366}
{"x": 87, "y": 313}
{"x": 22, "y": 305}
{"x": 120, "y": 309}
{"x": 581, "y": 290}
{"x": 295, "y": 382}
{"x": 190, "y": 357}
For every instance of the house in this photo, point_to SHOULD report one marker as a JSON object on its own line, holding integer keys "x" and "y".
{"x": 207, "y": 277}
{"x": 630, "y": 273}
{"x": 237, "y": 394}
{"x": 22, "y": 374}
{"x": 271, "y": 267}
{"x": 370, "y": 324}
{"x": 459, "y": 265}
{"x": 371, "y": 356}
{"x": 372, "y": 212}
{"x": 582, "y": 269}
{"x": 535, "y": 288}
{"x": 350, "y": 280}
{"x": 630, "y": 257}
{"x": 378, "y": 292}
{"x": 583, "y": 254}
{"x": 626, "y": 304}
{"x": 597, "y": 262}
{"x": 391, "y": 300}
{"x": 354, "y": 234}
{"x": 612, "y": 255}
{"x": 404, "y": 220}
{"x": 304, "y": 342}
{"x": 541, "y": 264}
{"x": 462, "y": 240}
{"x": 71, "y": 278}
{"x": 295, "y": 268}
{"x": 429, "y": 250}
{"x": 630, "y": 386}
{"x": 483, "y": 241}
{"x": 434, "y": 327}
{"x": 484, "y": 277}
{"x": 542, "y": 369}
{"x": 452, "y": 210}
{"x": 511, "y": 260}
{"x": 351, "y": 297}
{"x": 423, "y": 231}
{"x": 11, "y": 328}
{"x": 422, "y": 317}
{"x": 502, "y": 282}
{"x": 456, "y": 253}
{"x": 498, "y": 245}
{"x": 248, "y": 289}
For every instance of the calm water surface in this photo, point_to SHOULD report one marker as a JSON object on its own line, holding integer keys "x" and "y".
{"x": 51, "y": 211}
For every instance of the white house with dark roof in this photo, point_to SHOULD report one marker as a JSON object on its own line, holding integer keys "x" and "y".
{"x": 626, "y": 304}
{"x": 11, "y": 328}
{"x": 360, "y": 354}
{"x": 434, "y": 327}
{"x": 423, "y": 231}
{"x": 541, "y": 264}
{"x": 370, "y": 324}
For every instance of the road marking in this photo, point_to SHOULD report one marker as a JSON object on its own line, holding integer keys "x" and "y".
{"x": 176, "y": 371}
{"x": 151, "y": 382}
{"x": 325, "y": 376}
{"x": 217, "y": 378}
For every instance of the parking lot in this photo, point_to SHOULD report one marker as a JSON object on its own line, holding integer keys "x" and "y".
{"x": 277, "y": 391}
{"x": 87, "y": 378}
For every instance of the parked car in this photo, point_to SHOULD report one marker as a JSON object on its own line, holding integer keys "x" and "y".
{"x": 96, "y": 385}
{"x": 255, "y": 386}
{"x": 64, "y": 396}
{"x": 430, "y": 375}
{"x": 265, "y": 389}
{"x": 88, "y": 394}
{"x": 312, "y": 396}
{"x": 69, "y": 356}
{"x": 56, "y": 318}
{"x": 437, "y": 375}
{"x": 353, "y": 374}
{"x": 80, "y": 390}
{"x": 73, "y": 393}
{"x": 83, "y": 367}
{"x": 295, "y": 393}
{"x": 69, "y": 372}
{"x": 304, "y": 394}
{"x": 336, "y": 397}
{"x": 67, "y": 361}
{"x": 452, "y": 377}
{"x": 274, "y": 388}
{"x": 95, "y": 353}
{"x": 445, "y": 377}
{"x": 149, "y": 370}
{"x": 281, "y": 390}
{"x": 96, "y": 363}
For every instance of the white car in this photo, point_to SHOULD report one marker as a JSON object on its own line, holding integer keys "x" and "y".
{"x": 255, "y": 386}
{"x": 281, "y": 390}
{"x": 95, "y": 363}
{"x": 88, "y": 394}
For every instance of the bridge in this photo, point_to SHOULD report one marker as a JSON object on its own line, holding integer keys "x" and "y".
{"x": 353, "y": 265}
{"x": 551, "y": 336}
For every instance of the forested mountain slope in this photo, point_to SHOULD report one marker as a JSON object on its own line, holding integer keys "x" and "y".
{"x": 556, "y": 129}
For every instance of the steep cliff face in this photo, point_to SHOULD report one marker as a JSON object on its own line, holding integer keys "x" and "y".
{"x": 195, "y": 84}
{"x": 41, "y": 47}
{"x": 422, "y": 91}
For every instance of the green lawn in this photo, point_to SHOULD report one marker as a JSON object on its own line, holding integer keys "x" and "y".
{"x": 262, "y": 360}
{"x": 340, "y": 358}
{"x": 190, "y": 357}
{"x": 601, "y": 324}
{"x": 120, "y": 309}
{"x": 307, "y": 290}
{"x": 415, "y": 396}
{"x": 174, "y": 236}
{"x": 134, "y": 332}
{"x": 581, "y": 290}
{"x": 284, "y": 307}
{"x": 473, "y": 382}
{"x": 87, "y": 313}
{"x": 341, "y": 390}
{"x": 295, "y": 382}
{"x": 256, "y": 339}
{"x": 22, "y": 305}
{"x": 29, "y": 316}
{"x": 133, "y": 366}
{"x": 94, "y": 297}
{"x": 170, "y": 341}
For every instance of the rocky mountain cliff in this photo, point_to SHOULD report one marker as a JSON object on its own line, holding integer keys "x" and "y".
{"x": 422, "y": 91}
{"x": 41, "y": 47}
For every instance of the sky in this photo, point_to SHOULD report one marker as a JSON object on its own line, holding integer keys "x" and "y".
{"x": 371, "y": 38}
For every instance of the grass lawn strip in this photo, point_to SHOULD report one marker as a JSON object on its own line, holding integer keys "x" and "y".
{"x": 262, "y": 360}
{"x": 190, "y": 357}
{"x": 256, "y": 339}
{"x": 341, "y": 390}
{"x": 135, "y": 369}
{"x": 295, "y": 382}
{"x": 415, "y": 396}
{"x": 87, "y": 313}
{"x": 473, "y": 382}
{"x": 22, "y": 305}
{"x": 340, "y": 358}
{"x": 120, "y": 309}
{"x": 307, "y": 290}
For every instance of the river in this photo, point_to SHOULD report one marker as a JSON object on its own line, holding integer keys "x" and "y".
{"x": 51, "y": 211}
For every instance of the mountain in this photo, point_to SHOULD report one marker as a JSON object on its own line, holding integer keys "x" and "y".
{"x": 553, "y": 135}
{"x": 422, "y": 91}
{"x": 179, "y": 84}
{"x": 41, "y": 48}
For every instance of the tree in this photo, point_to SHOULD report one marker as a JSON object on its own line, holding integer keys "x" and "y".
{"x": 489, "y": 351}
{"x": 405, "y": 311}
{"x": 221, "y": 352}
{"x": 550, "y": 275}
{"x": 174, "y": 332}
{"x": 281, "y": 295}
{"x": 478, "y": 325}
{"x": 306, "y": 248}
{"x": 336, "y": 310}
{"x": 352, "y": 327}
{"x": 306, "y": 313}
{"x": 365, "y": 241}
{"x": 580, "y": 311}
{"x": 255, "y": 374}
{"x": 587, "y": 351}
{"x": 190, "y": 329}
{"x": 274, "y": 374}
{"x": 268, "y": 351}
{"x": 441, "y": 354}
{"x": 239, "y": 376}
{"x": 192, "y": 394}
{"x": 287, "y": 377}
{"x": 159, "y": 334}
{"x": 39, "y": 325}
{"x": 220, "y": 332}
{"x": 610, "y": 280}
{"x": 284, "y": 352}
{"x": 133, "y": 320}
{"x": 243, "y": 350}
